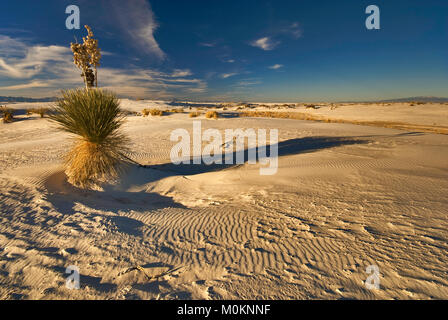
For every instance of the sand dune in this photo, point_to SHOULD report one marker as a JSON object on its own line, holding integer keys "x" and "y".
{"x": 344, "y": 197}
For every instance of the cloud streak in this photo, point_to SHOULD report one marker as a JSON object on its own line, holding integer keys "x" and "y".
{"x": 276, "y": 66}
{"x": 228, "y": 75}
{"x": 137, "y": 20}
{"x": 44, "y": 70}
{"x": 265, "y": 43}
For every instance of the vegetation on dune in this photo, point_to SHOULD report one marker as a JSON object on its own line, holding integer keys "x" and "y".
{"x": 212, "y": 114}
{"x": 194, "y": 114}
{"x": 86, "y": 56}
{"x": 176, "y": 110}
{"x": 153, "y": 112}
{"x": 94, "y": 117}
{"x": 312, "y": 117}
{"x": 8, "y": 114}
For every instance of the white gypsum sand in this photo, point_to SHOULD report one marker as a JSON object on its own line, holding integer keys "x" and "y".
{"x": 344, "y": 197}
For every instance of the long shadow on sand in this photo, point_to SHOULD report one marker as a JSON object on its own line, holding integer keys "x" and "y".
{"x": 66, "y": 197}
{"x": 285, "y": 148}
{"x": 130, "y": 194}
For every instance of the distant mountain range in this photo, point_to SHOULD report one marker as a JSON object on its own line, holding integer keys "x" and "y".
{"x": 417, "y": 99}
{"x": 4, "y": 99}
{"x": 25, "y": 99}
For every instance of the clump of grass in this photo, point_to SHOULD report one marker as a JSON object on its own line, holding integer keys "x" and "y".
{"x": 176, "y": 110}
{"x": 194, "y": 114}
{"x": 153, "y": 112}
{"x": 156, "y": 112}
{"x": 8, "y": 114}
{"x": 94, "y": 117}
{"x": 212, "y": 114}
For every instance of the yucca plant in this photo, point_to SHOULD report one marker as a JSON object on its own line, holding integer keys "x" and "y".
{"x": 94, "y": 117}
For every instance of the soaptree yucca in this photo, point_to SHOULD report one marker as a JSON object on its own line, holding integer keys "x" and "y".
{"x": 94, "y": 117}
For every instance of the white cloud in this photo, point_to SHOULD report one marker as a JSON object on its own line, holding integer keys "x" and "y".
{"x": 276, "y": 66}
{"x": 228, "y": 75}
{"x": 265, "y": 43}
{"x": 26, "y": 62}
{"x": 207, "y": 44}
{"x": 33, "y": 84}
{"x": 181, "y": 73}
{"x": 137, "y": 19}
{"x": 248, "y": 82}
{"x": 294, "y": 30}
{"x": 39, "y": 71}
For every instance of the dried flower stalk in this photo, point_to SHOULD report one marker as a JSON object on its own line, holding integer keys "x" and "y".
{"x": 86, "y": 56}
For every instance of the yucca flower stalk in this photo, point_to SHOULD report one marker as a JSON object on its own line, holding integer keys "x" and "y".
{"x": 94, "y": 118}
{"x": 85, "y": 56}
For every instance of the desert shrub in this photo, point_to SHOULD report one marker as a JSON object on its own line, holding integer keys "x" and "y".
{"x": 194, "y": 114}
{"x": 310, "y": 106}
{"x": 153, "y": 112}
{"x": 8, "y": 114}
{"x": 94, "y": 117}
{"x": 212, "y": 114}
{"x": 176, "y": 110}
{"x": 156, "y": 112}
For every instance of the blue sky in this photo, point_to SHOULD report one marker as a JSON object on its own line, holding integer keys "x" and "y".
{"x": 247, "y": 50}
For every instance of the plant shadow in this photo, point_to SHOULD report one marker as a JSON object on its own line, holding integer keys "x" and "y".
{"x": 285, "y": 148}
{"x": 131, "y": 191}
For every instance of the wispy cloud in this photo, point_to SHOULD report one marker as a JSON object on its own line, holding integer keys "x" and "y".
{"x": 265, "y": 43}
{"x": 207, "y": 44}
{"x": 137, "y": 19}
{"x": 271, "y": 41}
{"x": 24, "y": 62}
{"x": 294, "y": 30}
{"x": 37, "y": 70}
{"x": 276, "y": 66}
{"x": 228, "y": 75}
{"x": 247, "y": 82}
{"x": 181, "y": 73}
{"x": 33, "y": 84}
